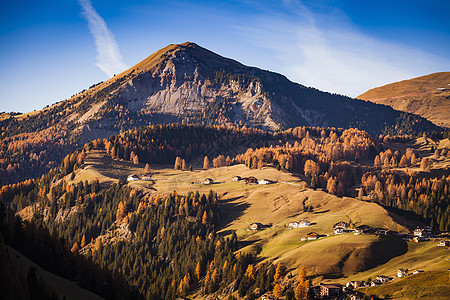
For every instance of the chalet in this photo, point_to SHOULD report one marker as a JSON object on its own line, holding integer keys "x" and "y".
{"x": 265, "y": 181}
{"x": 294, "y": 224}
{"x": 256, "y": 226}
{"x": 302, "y": 223}
{"x": 132, "y": 177}
{"x": 338, "y": 231}
{"x": 312, "y": 236}
{"x": 237, "y": 178}
{"x": 330, "y": 290}
{"x": 423, "y": 231}
{"x": 376, "y": 282}
{"x": 402, "y": 273}
{"x": 146, "y": 176}
{"x": 383, "y": 278}
{"x": 251, "y": 180}
{"x": 355, "y": 284}
{"x": 341, "y": 224}
{"x": 444, "y": 244}
{"x": 208, "y": 181}
{"x": 315, "y": 290}
{"x": 363, "y": 229}
{"x": 418, "y": 271}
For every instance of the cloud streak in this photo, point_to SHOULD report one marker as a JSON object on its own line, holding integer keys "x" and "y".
{"x": 109, "y": 59}
{"x": 328, "y": 52}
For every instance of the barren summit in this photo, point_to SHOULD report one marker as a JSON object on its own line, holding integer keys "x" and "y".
{"x": 186, "y": 82}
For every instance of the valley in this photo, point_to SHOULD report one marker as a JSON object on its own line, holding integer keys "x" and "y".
{"x": 333, "y": 258}
{"x": 191, "y": 175}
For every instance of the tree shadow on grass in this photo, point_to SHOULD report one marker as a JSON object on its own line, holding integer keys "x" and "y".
{"x": 406, "y": 218}
{"x": 231, "y": 209}
{"x": 321, "y": 212}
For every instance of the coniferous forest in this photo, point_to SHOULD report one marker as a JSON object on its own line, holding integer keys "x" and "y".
{"x": 122, "y": 243}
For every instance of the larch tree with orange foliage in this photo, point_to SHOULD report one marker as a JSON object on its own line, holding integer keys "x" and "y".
{"x": 206, "y": 163}
{"x": 277, "y": 292}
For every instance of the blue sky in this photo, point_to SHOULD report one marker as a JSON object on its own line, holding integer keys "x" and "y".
{"x": 50, "y": 50}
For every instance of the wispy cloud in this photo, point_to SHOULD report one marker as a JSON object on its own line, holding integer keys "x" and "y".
{"x": 109, "y": 59}
{"x": 330, "y": 53}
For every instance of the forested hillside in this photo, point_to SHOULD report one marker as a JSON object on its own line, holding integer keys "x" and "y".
{"x": 154, "y": 245}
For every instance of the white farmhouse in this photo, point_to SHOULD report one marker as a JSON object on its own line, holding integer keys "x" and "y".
{"x": 132, "y": 177}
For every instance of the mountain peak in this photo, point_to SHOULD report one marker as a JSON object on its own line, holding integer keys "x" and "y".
{"x": 188, "y": 44}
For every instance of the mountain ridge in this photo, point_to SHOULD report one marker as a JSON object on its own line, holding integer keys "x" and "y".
{"x": 427, "y": 96}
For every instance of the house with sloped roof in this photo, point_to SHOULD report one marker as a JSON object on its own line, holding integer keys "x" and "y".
{"x": 251, "y": 180}
{"x": 208, "y": 181}
{"x": 341, "y": 224}
{"x": 256, "y": 226}
{"x": 132, "y": 177}
{"x": 312, "y": 236}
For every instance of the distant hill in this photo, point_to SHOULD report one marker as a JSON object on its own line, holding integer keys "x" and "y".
{"x": 427, "y": 96}
{"x": 183, "y": 83}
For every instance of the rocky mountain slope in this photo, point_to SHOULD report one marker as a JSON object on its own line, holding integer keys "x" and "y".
{"x": 183, "y": 83}
{"x": 427, "y": 96}
{"x": 195, "y": 85}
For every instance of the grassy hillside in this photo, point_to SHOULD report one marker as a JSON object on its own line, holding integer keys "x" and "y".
{"x": 421, "y": 96}
{"x": 425, "y": 256}
{"x": 243, "y": 204}
{"x": 428, "y": 285}
{"x": 419, "y": 85}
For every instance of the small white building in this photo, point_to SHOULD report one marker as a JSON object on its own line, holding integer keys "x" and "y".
{"x": 338, "y": 231}
{"x": 256, "y": 226}
{"x": 265, "y": 181}
{"x": 132, "y": 177}
{"x": 444, "y": 244}
{"x": 302, "y": 223}
{"x": 208, "y": 181}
